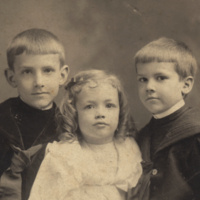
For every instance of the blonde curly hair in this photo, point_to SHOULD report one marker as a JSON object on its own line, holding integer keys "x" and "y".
{"x": 67, "y": 118}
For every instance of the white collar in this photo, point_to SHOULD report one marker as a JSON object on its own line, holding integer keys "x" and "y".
{"x": 174, "y": 108}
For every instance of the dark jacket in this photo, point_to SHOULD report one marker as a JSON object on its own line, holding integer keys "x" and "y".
{"x": 173, "y": 172}
{"x": 10, "y": 135}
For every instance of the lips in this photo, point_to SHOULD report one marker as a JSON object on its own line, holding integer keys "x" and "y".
{"x": 151, "y": 98}
{"x": 39, "y": 93}
{"x": 100, "y": 124}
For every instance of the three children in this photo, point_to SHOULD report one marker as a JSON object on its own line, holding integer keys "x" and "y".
{"x": 170, "y": 142}
{"x": 97, "y": 157}
{"x": 36, "y": 61}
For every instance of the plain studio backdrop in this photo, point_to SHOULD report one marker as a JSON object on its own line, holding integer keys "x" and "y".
{"x": 104, "y": 34}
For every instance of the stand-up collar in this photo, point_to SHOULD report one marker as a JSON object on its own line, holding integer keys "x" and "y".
{"x": 173, "y": 109}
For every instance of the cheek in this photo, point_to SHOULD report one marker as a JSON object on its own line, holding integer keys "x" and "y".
{"x": 141, "y": 94}
{"x": 83, "y": 119}
{"x": 115, "y": 117}
{"x": 141, "y": 89}
{"x": 53, "y": 87}
{"x": 54, "y": 91}
{"x": 24, "y": 86}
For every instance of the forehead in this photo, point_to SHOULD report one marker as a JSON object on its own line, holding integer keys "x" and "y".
{"x": 38, "y": 60}
{"x": 155, "y": 67}
{"x": 101, "y": 92}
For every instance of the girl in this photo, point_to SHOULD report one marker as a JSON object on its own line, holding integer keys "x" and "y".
{"x": 97, "y": 157}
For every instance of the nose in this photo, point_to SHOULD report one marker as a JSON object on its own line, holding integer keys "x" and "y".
{"x": 38, "y": 81}
{"x": 99, "y": 117}
{"x": 100, "y": 113}
{"x": 150, "y": 86}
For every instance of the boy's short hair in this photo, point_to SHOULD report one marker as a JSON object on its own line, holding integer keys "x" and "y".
{"x": 169, "y": 50}
{"x": 34, "y": 41}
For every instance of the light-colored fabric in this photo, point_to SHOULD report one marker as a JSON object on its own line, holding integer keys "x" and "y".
{"x": 70, "y": 172}
{"x": 174, "y": 108}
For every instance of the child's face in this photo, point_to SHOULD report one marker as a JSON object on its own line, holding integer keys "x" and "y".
{"x": 98, "y": 113}
{"x": 159, "y": 86}
{"x": 37, "y": 78}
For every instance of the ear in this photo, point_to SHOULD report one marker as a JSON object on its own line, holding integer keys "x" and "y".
{"x": 64, "y": 72}
{"x": 188, "y": 85}
{"x": 10, "y": 76}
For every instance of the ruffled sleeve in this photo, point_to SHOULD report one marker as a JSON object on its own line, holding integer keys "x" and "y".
{"x": 56, "y": 175}
{"x": 70, "y": 170}
{"x": 130, "y": 169}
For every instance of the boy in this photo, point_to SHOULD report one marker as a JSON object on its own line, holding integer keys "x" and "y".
{"x": 170, "y": 142}
{"x": 36, "y": 68}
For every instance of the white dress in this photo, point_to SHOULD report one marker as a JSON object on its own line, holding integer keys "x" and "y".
{"x": 70, "y": 171}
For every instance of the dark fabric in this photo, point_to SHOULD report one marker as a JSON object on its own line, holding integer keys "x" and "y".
{"x": 159, "y": 129}
{"x": 30, "y": 121}
{"x": 11, "y": 179}
{"x": 42, "y": 129}
{"x": 172, "y": 172}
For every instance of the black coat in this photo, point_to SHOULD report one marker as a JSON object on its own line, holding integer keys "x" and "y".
{"x": 10, "y": 135}
{"x": 173, "y": 173}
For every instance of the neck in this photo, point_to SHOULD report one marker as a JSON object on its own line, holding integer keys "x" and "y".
{"x": 98, "y": 144}
{"x": 101, "y": 148}
{"x": 174, "y": 108}
{"x": 98, "y": 141}
{"x": 46, "y": 108}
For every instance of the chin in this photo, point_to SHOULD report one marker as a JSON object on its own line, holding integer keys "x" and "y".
{"x": 42, "y": 106}
{"x": 156, "y": 111}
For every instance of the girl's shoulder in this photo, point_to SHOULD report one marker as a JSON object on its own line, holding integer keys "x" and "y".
{"x": 128, "y": 143}
{"x": 129, "y": 164}
{"x": 62, "y": 148}
{"x": 129, "y": 149}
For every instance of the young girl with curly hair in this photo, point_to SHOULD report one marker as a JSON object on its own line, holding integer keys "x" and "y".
{"x": 97, "y": 157}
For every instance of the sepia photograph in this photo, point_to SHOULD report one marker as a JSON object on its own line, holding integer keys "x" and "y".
{"x": 99, "y": 100}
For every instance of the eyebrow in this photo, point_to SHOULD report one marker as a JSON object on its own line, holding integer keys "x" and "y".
{"x": 95, "y": 101}
{"x": 28, "y": 67}
{"x": 90, "y": 101}
{"x": 107, "y": 100}
{"x": 140, "y": 75}
{"x": 24, "y": 66}
{"x": 160, "y": 73}
{"x": 156, "y": 74}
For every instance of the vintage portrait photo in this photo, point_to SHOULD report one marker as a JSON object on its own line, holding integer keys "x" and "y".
{"x": 99, "y": 100}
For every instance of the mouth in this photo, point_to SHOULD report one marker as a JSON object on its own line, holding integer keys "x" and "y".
{"x": 151, "y": 98}
{"x": 100, "y": 124}
{"x": 39, "y": 93}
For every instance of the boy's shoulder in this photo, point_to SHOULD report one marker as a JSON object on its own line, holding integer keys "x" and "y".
{"x": 189, "y": 121}
{"x": 7, "y": 103}
{"x": 5, "y": 107}
{"x": 185, "y": 126}
{"x": 190, "y": 117}
{"x": 6, "y": 120}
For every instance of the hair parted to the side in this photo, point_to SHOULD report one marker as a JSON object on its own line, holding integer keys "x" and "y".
{"x": 34, "y": 41}
{"x": 169, "y": 50}
{"x": 67, "y": 117}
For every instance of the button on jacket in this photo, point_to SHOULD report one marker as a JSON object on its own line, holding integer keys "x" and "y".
{"x": 172, "y": 172}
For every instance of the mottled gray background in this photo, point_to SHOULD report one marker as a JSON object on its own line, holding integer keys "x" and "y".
{"x": 103, "y": 34}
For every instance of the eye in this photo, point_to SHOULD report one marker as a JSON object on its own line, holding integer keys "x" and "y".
{"x": 110, "y": 105}
{"x": 142, "y": 79}
{"x": 27, "y": 71}
{"x": 161, "y": 78}
{"x": 90, "y": 106}
{"x": 48, "y": 70}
